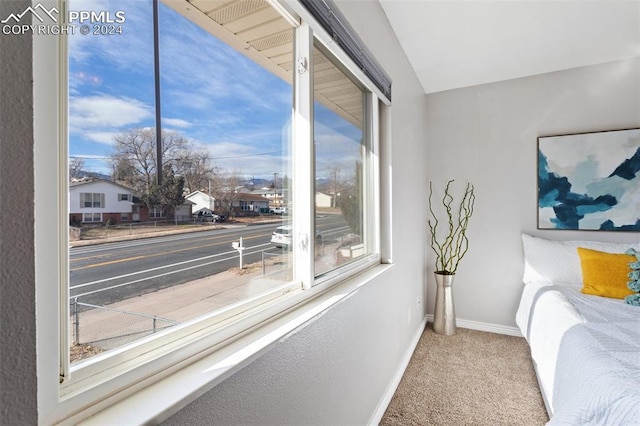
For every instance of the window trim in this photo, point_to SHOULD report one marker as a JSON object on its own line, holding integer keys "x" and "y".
{"x": 99, "y": 195}
{"x": 84, "y": 216}
{"x": 331, "y": 19}
{"x": 72, "y": 401}
{"x": 370, "y": 168}
{"x": 322, "y": 35}
{"x": 157, "y": 212}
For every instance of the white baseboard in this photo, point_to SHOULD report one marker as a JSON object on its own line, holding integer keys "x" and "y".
{"x": 393, "y": 385}
{"x": 484, "y": 326}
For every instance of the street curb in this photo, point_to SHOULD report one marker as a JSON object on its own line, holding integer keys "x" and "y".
{"x": 97, "y": 241}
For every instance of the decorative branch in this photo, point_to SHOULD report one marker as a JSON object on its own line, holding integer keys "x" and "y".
{"x": 455, "y": 245}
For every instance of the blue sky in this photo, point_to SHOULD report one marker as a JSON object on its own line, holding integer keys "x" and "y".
{"x": 213, "y": 95}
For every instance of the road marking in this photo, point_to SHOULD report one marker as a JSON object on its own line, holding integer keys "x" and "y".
{"x": 166, "y": 266}
{"x": 111, "y": 262}
{"x": 155, "y": 276}
{"x": 164, "y": 253}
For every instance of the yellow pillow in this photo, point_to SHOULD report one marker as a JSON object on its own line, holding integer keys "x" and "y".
{"x": 605, "y": 274}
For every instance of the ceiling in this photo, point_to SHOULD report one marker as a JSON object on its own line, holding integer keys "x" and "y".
{"x": 453, "y": 44}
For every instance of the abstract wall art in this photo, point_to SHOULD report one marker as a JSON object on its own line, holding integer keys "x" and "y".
{"x": 590, "y": 181}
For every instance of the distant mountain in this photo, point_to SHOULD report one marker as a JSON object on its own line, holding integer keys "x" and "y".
{"x": 82, "y": 173}
{"x": 257, "y": 182}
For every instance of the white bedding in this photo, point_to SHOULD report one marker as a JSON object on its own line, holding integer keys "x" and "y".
{"x": 586, "y": 350}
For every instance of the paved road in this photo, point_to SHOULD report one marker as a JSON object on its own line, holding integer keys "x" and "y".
{"x": 106, "y": 273}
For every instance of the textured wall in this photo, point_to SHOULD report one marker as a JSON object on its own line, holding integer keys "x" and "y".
{"x": 17, "y": 285}
{"x": 488, "y": 134}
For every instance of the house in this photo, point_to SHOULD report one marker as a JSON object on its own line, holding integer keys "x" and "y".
{"x": 103, "y": 201}
{"x": 341, "y": 365}
{"x": 201, "y": 201}
{"x": 246, "y": 203}
{"x": 183, "y": 212}
{"x": 100, "y": 200}
{"x": 276, "y": 196}
{"x": 324, "y": 200}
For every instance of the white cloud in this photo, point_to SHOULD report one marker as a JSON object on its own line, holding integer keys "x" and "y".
{"x": 100, "y": 113}
{"x": 89, "y": 156}
{"x": 101, "y": 137}
{"x": 176, "y": 122}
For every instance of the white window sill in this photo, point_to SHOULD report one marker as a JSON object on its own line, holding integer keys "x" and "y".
{"x": 158, "y": 401}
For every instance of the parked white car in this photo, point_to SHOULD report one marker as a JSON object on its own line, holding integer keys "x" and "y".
{"x": 278, "y": 210}
{"x": 281, "y": 237}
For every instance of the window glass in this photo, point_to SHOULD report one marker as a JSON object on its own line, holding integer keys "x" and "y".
{"x": 224, "y": 163}
{"x": 339, "y": 158}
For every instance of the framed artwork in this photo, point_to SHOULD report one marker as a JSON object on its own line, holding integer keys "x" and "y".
{"x": 590, "y": 181}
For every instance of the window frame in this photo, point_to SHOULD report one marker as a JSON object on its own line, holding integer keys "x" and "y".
{"x": 157, "y": 212}
{"x": 84, "y": 196}
{"x": 104, "y": 380}
{"x": 92, "y": 217}
{"x": 370, "y": 171}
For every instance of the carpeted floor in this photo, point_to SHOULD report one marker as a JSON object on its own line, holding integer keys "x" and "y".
{"x": 471, "y": 378}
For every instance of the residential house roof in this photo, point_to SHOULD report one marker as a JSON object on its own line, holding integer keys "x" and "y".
{"x": 88, "y": 180}
{"x": 245, "y": 196}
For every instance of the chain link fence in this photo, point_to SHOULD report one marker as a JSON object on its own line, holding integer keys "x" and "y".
{"x": 108, "y": 327}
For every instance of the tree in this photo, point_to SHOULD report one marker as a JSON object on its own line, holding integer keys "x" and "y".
{"x": 284, "y": 184}
{"x": 351, "y": 201}
{"x": 196, "y": 167}
{"x": 76, "y": 164}
{"x": 225, "y": 191}
{"x": 134, "y": 159}
{"x": 335, "y": 184}
{"x": 134, "y": 164}
{"x": 170, "y": 193}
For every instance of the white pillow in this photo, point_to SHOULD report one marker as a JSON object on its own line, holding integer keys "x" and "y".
{"x": 558, "y": 261}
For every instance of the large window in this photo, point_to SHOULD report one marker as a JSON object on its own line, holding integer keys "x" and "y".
{"x": 340, "y": 155}
{"x": 228, "y": 121}
{"x": 224, "y": 124}
{"x": 89, "y": 200}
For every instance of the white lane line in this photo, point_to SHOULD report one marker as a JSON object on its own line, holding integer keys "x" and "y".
{"x": 161, "y": 267}
{"x": 162, "y": 275}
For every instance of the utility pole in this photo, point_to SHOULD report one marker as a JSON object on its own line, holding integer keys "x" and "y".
{"x": 156, "y": 63}
{"x": 275, "y": 188}
{"x": 209, "y": 194}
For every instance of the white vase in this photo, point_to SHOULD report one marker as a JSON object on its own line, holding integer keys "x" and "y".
{"x": 444, "y": 317}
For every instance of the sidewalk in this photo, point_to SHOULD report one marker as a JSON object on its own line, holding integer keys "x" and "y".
{"x": 107, "y": 329}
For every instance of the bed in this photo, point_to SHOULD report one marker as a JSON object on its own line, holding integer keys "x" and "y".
{"x": 585, "y": 348}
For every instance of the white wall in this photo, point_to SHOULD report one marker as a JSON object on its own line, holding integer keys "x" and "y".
{"x": 337, "y": 370}
{"x": 202, "y": 200}
{"x": 487, "y": 134}
{"x": 111, "y": 202}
